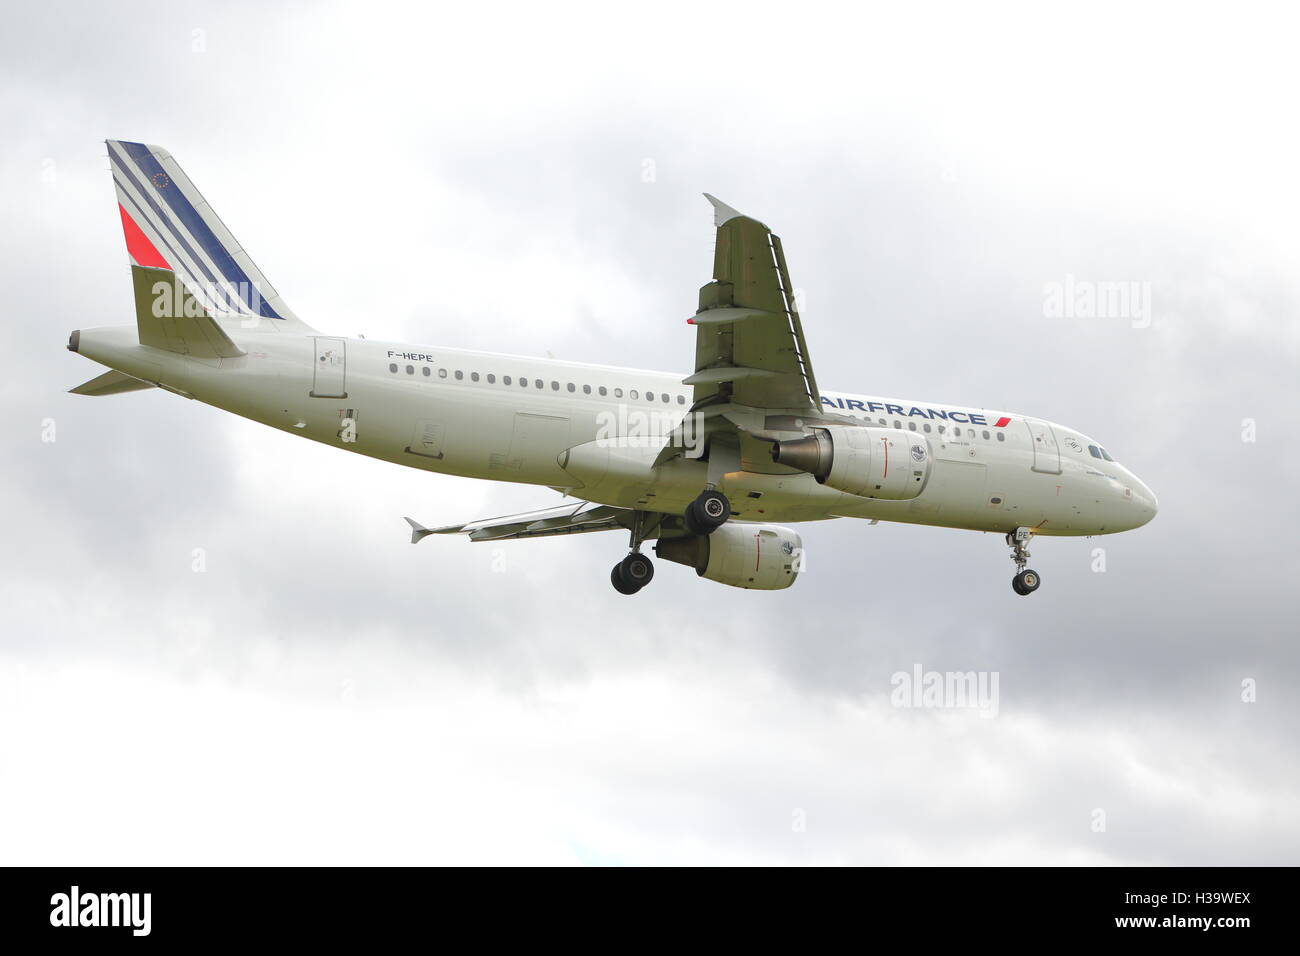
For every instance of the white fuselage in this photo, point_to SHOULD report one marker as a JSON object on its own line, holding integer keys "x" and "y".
{"x": 466, "y": 413}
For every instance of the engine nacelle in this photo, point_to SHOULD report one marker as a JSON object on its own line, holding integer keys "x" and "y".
{"x": 765, "y": 557}
{"x": 871, "y": 462}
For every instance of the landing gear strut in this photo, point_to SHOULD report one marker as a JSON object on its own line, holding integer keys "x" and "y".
{"x": 1025, "y": 582}
{"x": 636, "y": 570}
{"x": 707, "y": 513}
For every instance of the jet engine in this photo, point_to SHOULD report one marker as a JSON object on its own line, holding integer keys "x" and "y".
{"x": 871, "y": 462}
{"x": 764, "y": 557}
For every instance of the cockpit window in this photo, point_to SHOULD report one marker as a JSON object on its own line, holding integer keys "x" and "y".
{"x": 1105, "y": 454}
{"x": 1092, "y": 450}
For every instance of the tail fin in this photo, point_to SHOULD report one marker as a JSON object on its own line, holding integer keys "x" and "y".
{"x": 169, "y": 226}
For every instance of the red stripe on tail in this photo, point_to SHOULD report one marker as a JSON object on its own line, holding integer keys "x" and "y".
{"x": 138, "y": 244}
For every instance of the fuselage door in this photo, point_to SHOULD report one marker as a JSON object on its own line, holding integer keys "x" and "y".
{"x": 1047, "y": 453}
{"x": 329, "y": 374}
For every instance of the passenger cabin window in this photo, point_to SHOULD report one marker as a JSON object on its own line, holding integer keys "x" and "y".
{"x": 473, "y": 376}
{"x": 586, "y": 390}
{"x": 505, "y": 380}
{"x": 634, "y": 394}
{"x": 601, "y": 389}
{"x": 1001, "y": 436}
{"x": 459, "y": 375}
{"x": 681, "y": 399}
{"x": 426, "y": 370}
{"x": 442, "y": 373}
{"x": 492, "y": 379}
{"x": 618, "y": 393}
{"x": 410, "y": 370}
{"x": 392, "y": 366}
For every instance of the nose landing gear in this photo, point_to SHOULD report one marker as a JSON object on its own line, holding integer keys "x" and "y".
{"x": 1025, "y": 582}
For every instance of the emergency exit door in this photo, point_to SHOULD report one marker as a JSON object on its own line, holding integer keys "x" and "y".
{"x": 329, "y": 380}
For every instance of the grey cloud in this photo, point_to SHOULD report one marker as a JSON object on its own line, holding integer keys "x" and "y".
{"x": 924, "y": 272}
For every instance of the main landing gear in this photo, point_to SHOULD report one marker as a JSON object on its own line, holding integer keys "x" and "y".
{"x": 636, "y": 570}
{"x": 632, "y": 573}
{"x": 704, "y": 515}
{"x": 1025, "y": 581}
{"x": 707, "y": 513}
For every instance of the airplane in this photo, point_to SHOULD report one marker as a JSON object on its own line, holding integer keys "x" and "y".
{"x": 711, "y": 466}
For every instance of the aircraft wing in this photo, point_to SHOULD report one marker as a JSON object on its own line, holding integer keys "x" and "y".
{"x": 576, "y": 518}
{"x": 749, "y": 343}
{"x": 753, "y": 381}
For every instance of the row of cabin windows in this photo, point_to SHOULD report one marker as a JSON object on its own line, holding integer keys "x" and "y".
{"x": 540, "y": 383}
{"x": 955, "y": 431}
{"x": 681, "y": 400}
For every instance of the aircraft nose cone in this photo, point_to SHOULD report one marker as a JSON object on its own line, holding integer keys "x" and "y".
{"x": 1146, "y": 501}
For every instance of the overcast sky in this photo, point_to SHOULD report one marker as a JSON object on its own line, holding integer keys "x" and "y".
{"x": 528, "y": 180}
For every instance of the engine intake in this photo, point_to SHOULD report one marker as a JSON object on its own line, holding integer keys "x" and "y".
{"x": 872, "y": 462}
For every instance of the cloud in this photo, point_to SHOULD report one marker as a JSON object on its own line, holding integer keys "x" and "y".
{"x": 323, "y": 692}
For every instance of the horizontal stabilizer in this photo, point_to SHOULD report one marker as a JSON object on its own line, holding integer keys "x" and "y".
{"x": 111, "y": 383}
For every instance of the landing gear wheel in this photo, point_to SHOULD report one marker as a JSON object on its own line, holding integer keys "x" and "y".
{"x": 632, "y": 573}
{"x": 616, "y": 579}
{"x": 708, "y": 512}
{"x": 637, "y": 569}
{"x": 1026, "y": 582}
